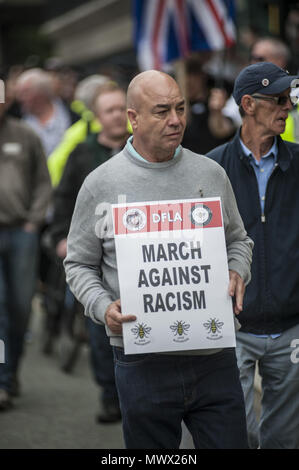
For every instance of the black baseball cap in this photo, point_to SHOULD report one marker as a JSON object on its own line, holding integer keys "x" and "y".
{"x": 264, "y": 78}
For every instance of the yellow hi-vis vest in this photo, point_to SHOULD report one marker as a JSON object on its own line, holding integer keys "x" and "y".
{"x": 291, "y": 133}
{"x": 73, "y": 136}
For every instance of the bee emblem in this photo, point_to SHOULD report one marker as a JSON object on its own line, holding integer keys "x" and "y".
{"x": 179, "y": 328}
{"x": 141, "y": 331}
{"x": 213, "y": 326}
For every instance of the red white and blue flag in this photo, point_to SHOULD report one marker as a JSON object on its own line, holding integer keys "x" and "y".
{"x": 166, "y": 30}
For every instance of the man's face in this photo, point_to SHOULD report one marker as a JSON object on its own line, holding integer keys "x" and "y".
{"x": 160, "y": 120}
{"x": 111, "y": 112}
{"x": 272, "y": 116}
{"x": 28, "y": 96}
{"x": 263, "y": 51}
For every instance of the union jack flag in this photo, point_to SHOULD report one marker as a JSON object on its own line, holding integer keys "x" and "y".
{"x": 168, "y": 29}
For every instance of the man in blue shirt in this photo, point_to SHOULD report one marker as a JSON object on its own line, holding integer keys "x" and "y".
{"x": 264, "y": 172}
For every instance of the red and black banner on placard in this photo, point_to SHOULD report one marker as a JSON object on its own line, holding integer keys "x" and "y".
{"x": 153, "y": 217}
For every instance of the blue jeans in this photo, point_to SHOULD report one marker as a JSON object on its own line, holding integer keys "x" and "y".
{"x": 279, "y": 423}
{"x": 18, "y": 271}
{"x": 159, "y": 391}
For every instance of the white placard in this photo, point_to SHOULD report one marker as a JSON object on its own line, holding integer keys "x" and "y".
{"x": 173, "y": 275}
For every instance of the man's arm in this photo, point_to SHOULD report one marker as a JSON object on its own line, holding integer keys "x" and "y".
{"x": 239, "y": 245}
{"x": 84, "y": 257}
{"x": 220, "y": 125}
{"x": 64, "y": 200}
{"x": 83, "y": 264}
{"x": 41, "y": 185}
{"x": 239, "y": 248}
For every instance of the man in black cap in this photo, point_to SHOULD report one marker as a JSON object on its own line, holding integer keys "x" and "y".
{"x": 264, "y": 172}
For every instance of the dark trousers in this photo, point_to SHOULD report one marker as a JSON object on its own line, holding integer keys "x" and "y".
{"x": 18, "y": 270}
{"x": 159, "y": 391}
{"x": 101, "y": 357}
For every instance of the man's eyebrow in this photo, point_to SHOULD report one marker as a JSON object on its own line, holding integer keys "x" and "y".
{"x": 161, "y": 106}
{"x": 167, "y": 106}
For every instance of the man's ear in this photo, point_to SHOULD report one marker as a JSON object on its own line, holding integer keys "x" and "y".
{"x": 248, "y": 104}
{"x": 133, "y": 118}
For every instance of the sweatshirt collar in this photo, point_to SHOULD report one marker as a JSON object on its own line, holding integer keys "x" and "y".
{"x": 139, "y": 157}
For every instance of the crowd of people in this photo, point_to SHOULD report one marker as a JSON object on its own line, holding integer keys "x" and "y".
{"x": 65, "y": 145}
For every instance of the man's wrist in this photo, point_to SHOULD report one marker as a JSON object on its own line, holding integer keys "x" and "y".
{"x": 98, "y": 312}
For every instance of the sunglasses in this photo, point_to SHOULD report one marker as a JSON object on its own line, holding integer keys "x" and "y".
{"x": 279, "y": 100}
{"x": 256, "y": 58}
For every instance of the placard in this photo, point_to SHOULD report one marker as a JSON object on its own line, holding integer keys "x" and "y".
{"x": 173, "y": 275}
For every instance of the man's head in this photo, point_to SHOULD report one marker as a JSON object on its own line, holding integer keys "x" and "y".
{"x": 110, "y": 109}
{"x": 87, "y": 89}
{"x": 269, "y": 49}
{"x": 156, "y": 109}
{"x": 34, "y": 89}
{"x": 265, "y": 91}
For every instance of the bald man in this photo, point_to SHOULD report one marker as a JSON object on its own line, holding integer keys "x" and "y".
{"x": 158, "y": 391}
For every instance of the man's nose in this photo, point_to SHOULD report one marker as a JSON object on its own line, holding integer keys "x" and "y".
{"x": 174, "y": 118}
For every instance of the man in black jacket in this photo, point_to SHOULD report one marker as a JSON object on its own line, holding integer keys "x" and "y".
{"x": 110, "y": 109}
{"x": 264, "y": 172}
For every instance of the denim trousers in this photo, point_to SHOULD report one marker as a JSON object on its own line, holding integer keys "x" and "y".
{"x": 159, "y": 391}
{"x": 278, "y": 427}
{"x": 18, "y": 272}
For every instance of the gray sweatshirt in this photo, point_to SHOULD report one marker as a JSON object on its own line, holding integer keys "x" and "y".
{"x": 90, "y": 265}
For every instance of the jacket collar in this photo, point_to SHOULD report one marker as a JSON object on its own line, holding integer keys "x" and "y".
{"x": 284, "y": 155}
